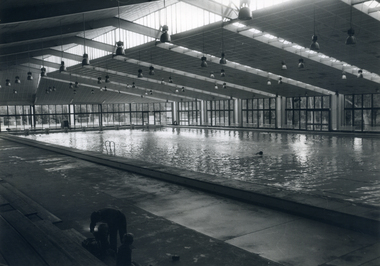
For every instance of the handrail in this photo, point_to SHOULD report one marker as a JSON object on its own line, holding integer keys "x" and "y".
{"x": 110, "y": 144}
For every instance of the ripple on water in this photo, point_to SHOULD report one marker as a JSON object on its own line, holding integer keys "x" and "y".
{"x": 298, "y": 162}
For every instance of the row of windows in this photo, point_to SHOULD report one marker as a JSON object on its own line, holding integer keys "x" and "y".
{"x": 361, "y": 112}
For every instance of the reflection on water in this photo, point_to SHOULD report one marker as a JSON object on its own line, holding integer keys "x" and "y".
{"x": 345, "y": 166}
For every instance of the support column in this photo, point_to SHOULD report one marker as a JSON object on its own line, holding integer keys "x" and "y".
{"x": 334, "y": 113}
{"x": 203, "y": 113}
{"x": 238, "y": 110}
{"x": 279, "y": 112}
{"x": 175, "y": 112}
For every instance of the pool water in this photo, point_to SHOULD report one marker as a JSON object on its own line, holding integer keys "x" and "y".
{"x": 341, "y": 166}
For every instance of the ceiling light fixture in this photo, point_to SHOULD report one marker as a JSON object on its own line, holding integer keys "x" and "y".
{"x": 283, "y": 65}
{"x": 140, "y": 74}
{"x": 43, "y": 69}
{"x": 151, "y": 70}
{"x": 43, "y": 72}
{"x": 360, "y": 73}
{"x": 245, "y": 12}
{"x": 85, "y": 60}
{"x": 165, "y": 37}
{"x": 62, "y": 68}
{"x": 301, "y": 64}
{"x": 222, "y": 73}
{"x": 204, "y": 63}
{"x": 314, "y": 44}
{"x": 222, "y": 60}
{"x": 119, "y": 44}
{"x": 351, "y": 32}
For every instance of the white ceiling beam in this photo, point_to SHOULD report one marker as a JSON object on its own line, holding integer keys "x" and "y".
{"x": 213, "y": 7}
{"x": 307, "y": 53}
{"x": 175, "y": 86}
{"x": 125, "y": 85}
{"x": 194, "y": 76}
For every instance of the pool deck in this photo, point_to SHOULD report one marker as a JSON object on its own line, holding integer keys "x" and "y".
{"x": 166, "y": 210}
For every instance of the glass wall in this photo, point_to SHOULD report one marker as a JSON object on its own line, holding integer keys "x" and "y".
{"x": 308, "y": 113}
{"x": 15, "y": 117}
{"x": 362, "y": 112}
{"x": 259, "y": 113}
{"x": 86, "y": 115}
{"x": 220, "y": 113}
{"x": 189, "y": 113}
{"x": 51, "y": 116}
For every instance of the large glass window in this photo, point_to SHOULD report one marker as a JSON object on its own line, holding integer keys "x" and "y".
{"x": 220, "y": 113}
{"x": 189, "y": 113}
{"x": 308, "y": 113}
{"x": 361, "y": 112}
{"x": 259, "y": 113}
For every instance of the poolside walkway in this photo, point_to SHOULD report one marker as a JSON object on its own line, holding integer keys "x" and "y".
{"x": 203, "y": 228}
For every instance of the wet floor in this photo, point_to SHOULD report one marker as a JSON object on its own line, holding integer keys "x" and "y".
{"x": 346, "y": 167}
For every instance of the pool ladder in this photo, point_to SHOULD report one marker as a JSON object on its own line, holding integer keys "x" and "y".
{"x": 110, "y": 147}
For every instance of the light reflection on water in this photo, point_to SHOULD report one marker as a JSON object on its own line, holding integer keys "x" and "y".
{"x": 345, "y": 166}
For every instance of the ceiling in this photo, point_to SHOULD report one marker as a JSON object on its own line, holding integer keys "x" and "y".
{"x": 32, "y": 29}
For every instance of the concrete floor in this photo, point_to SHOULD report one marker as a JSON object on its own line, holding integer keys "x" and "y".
{"x": 167, "y": 219}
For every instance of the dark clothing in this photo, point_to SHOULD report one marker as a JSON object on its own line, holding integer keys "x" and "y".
{"x": 115, "y": 220}
{"x": 124, "y": 255}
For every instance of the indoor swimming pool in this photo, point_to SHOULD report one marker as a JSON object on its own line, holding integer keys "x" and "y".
{"x": 346, "y": 167}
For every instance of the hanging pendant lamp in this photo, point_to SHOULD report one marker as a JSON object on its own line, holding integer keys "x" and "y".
{"x": 204, "y": 63}
{"x": 62, "y": 68}
{"x": 222, "y": 73}
{"x": 301, "y": 63}
{"x": 165, "y": 36}
{"x": 314, "y": 44}
{"x": 351, "y": 32}
{"x": 360, "y": 73}
{"x": 283, "y": 65}
{"x": 151, "y": 70}
{"x": 245, "y": 12}
{"x": 85, "y": 60}
{"x": 119, "y": 45}
{"x": 43, "y": 72}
